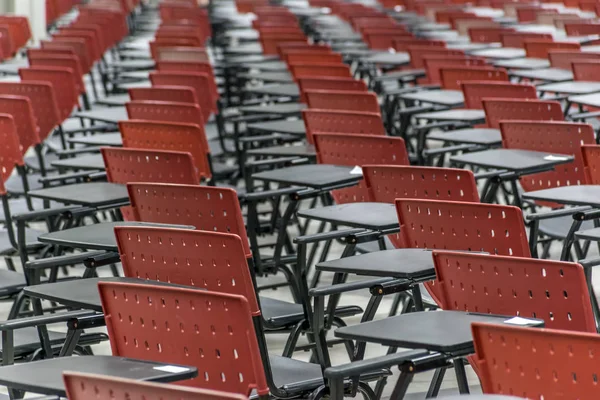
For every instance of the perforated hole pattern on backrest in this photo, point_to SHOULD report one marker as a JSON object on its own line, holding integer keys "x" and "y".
{"x": 541, "y": 364}
{"x": 550, "y": 137}
{"x": 517, "y": 39}
{"x": 10, "y": 152}
{"x": 591, "y": 161}
{"x": 320, "y": 70}
{"x": 101, "y": 387}
{"x": 197, "y": 81}
{"x": 61, "y": 61}
{"x": 452, "y": 77}
{"x": 564, "y": 59}
{"x": 418, "y": 52}
{"x": 325, "y": 121}
{"x": 452, "y": 225}
{"x": 497, "y": 110}
{"x": 331, "y": 83}
{"x": 540, "y": 49}
{"x": 136, "y": 165}
{"x": 433, "y": 64}
{"x": 550, "y": 290}
{"x": 206, "y": 208}
{"x": 342, "y": 100}
{"x": 186, "y": 54}
{"x": 352, "y": 150}
{"x": 165, "y": 111}
{"x": 475, "y": 92}
{"x": 64, "y": 87}
{"x": 188, "y": 66}
{"x": 208, "y": 260}
{"x": 43, "y": 103}
{"x": 174, "y": 94}
{"x": 187, "y": 138}
{"x": 19, "y": 107}
{"x": 211, "y": 331}
{"x": 586, "y": 70}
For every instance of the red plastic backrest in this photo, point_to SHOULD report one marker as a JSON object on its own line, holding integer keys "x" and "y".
{"x": 540, "y": 48}
{"x": 207, "y": 208}
{"x": 10, "y": 149}
{"x": 342, "y": 101}
{"x": 564, "y": 58}
{"x": 61, "y": 61}
{"x": 452, "y": 77}
{"x": 200, "y": 258}
{"x": 497, "y": 110}
{"x": 434, "y": 63}
{"x": 65, "y": 46}
{"x": 311, "y": 57}
{"x": 554, "y": 138}
{"x": 329, "y": 121}
{"x": 553, "y": 291}
{"x": 357, "y": 150}
{"x": 181, "y": 54}
{"x": 269, "y": 43}
{"x": 137, "y": 165}
{"x": 404, "y": 43}
{"x": 578, "y": 29}
{"x": 175, "y": 94}
{"x": 453, "y": 225}
{"x": 165, "y": 111}
{"x": 537, "y": 363}
{"x": 19, "y": 107}
{"x": 188, "y": 66}
{"x": 330, "y": 83}
{"x": 211, "y": 331}
{"x": 493, "y": 34}
{"x": 93, "y": 51}
{"x": 417, "y": 54}
{"x": 517, "y": 39}
{"x": 152, "y": 135}
{"x": 102, "y": 387}
{"x": 81, "y": 49}
{"x": 591, "y": 160}
{"x": 199, "y": 82}
{"x": 43, "y": 103}
{"x": 475, "y": 92}
{"x": 63, "y": 82}
{"x": 384, "y": 41}
{"x": 586, "y": 70}
{"x": 320, "y": 70}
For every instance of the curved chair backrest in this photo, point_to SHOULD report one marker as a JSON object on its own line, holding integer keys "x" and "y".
{"x": 582, "y": 29}
{"x": 586, "y": 70}
{"x": 311, "y": 57}
{"x": 102, "y": 387}
{"x": 452, "y": 77}
{"x": 591, "y": 160}
{"x": 497, "y": 110}
{"x": 419, "y": 51}
{"x": 434, "y": 63}
{"x": 384, "y": 41}
{"x": 517, "y": 39}
{"x": 531, "y": 362}
{"x": 43, "y": 103}
{"x": 137, "y": 165}
{"x": 211, "y": 331}
{"x": 404, "y": 43}
{"x": 64, "y": 83}
{"x": 186, "y": 113}
{"x": 204, "y": 207}
{"x": 197, "y": 81}
{"x": 10, "y": 149}
{"x": 19, "y": 108}
{"x": 554, "y": 138}
{"x": 474, "y": 92}
{"x": 554, "y": 291}
{"x": 153, "y": 135}
{"x": 342, "y": 100}
{"x": 192, "y": 66}
{"x": 183, "y": 54}
{"x": 540, "y": 48}
{"x": 171, "y": 94}
{"x": 320, "y": 70}
{"x": 330, "y": 83}
{"x": 564, "y": 58}
{"x": 486, "y": 34}
{"x": 61, "y": 61}
{"x": 343, "y": 122}
{"x": 357, "y": 150}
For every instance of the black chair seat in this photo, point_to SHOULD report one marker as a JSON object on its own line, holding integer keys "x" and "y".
{"x": 30, "y": 236}
{"x": 375, "y": 216}
{"x": 557, "y": 228}
{"x": 279, "y": 314}
{"x": 11, "y": 283}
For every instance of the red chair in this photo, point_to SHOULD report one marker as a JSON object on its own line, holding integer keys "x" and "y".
{"x": 19, "y": 108}
{"x": 497, "y": 110}
{"x": 63, "y": 82}
{"x": 474, "y": 92}
{"x": 194, "y": 67}
{"x": 586, "y": 70}
{"x": 384, "y": 41}
{"x": 536, "y": 363}
{"x": 166, "y": 112}
{"x": 404, "y": 43}
{"x": 564, "y": 58}
{"x": 329, "y": 121}
{"x": 301, "y": 57}
{"x": 150, "y": 135}
{"x": 270, "y": 42}
{"x": 488, "y": 34}
{"x": 320, "y": 70}
{"x": 181, "y": 54}
{"x": 358, "y": 150}
{"x": 579, "y": 29}
{"x": 137, "y": 165}
{"x": 80, "y": 386}
{"x": 591, "y": 160}
{"x": 433, "y": 64}
{"x": 342, "y": 101}
{"x": 417, "y": 54}
{"x": 452, "y": 77}
{"x": 517, "y": 39}
{"x": 47, "y": 59}
{"x": 330, "y": 83}
{"x": 540, "y": 48}
{"x": 173, "y": 94}
{"x": 197, "y": 81}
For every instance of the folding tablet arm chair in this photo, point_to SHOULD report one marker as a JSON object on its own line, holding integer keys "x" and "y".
{"x": 81, "y": 386}
{"x": 342, "y": 100}
{"x": 534, "y": 361}
{"x": 555, "y": 138}
{"x": 171, "y": 94}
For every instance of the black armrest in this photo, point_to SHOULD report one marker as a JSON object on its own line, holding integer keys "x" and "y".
{"x": 340, "y": 234}
{"x": 40, "y": 320}
{"x": 100, "y": 260}
{"x": 59, "y": 261}
{"x": 87, "y": 321}
{"x": 64, "y": 177}
{"x": 361, "y": 366}
{"x": 41, "y": 214}
{"x": 73, "y": 152}
{"x": 97, "y": 176}
{"x": 348, "y": 287}
{"x": 557, "y": 213}
{"x": 448, "y": 149}
{"x": 587, "y": 215}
